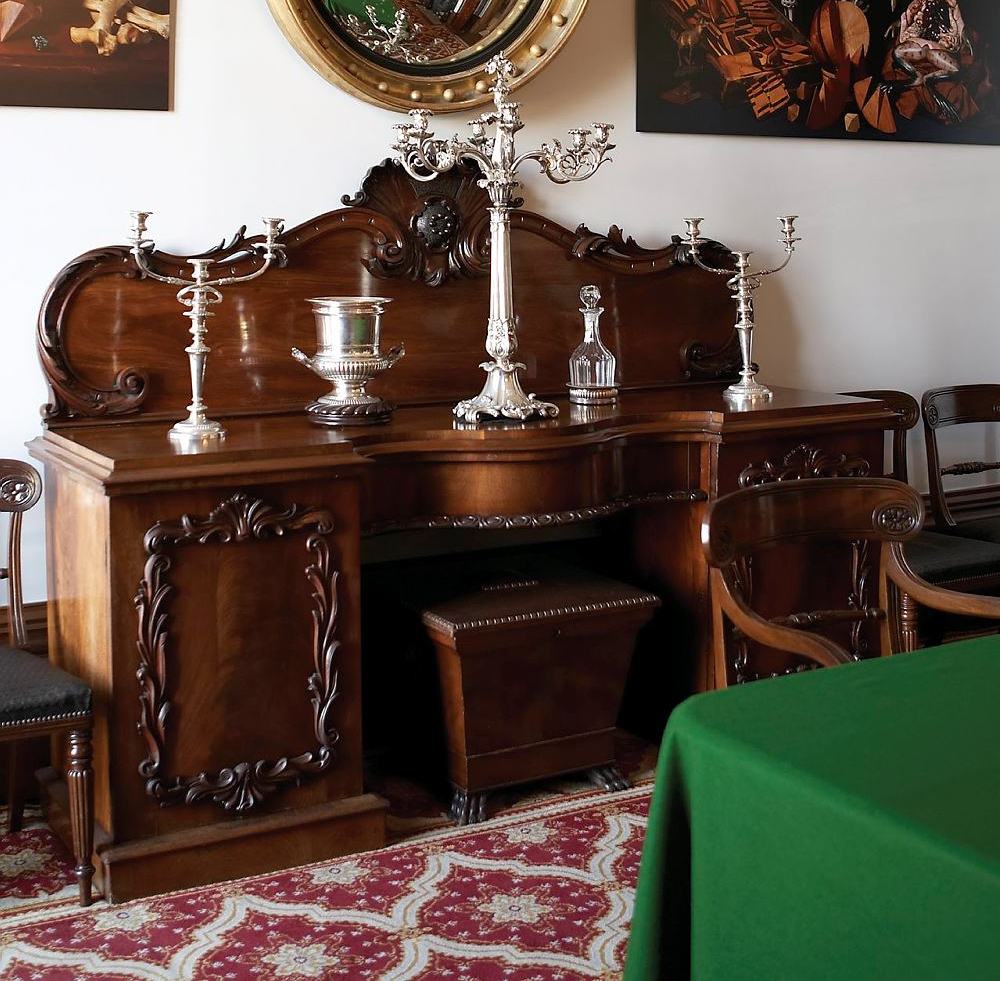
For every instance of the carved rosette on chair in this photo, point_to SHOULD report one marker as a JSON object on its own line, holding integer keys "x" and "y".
{"x": 425, "y": 158}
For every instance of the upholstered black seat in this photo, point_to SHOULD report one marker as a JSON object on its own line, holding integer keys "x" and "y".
{"x": 983, "y": 529}
{"x": 943, "y": 559}
{"x": 33, "y": 690}
{"x": 36, "y": 697}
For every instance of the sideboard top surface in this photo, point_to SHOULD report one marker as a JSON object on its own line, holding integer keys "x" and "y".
{"x": 120, "y": 455}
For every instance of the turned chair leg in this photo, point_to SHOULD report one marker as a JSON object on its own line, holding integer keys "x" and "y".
{"x": 80, "y": 777}
{"x": 15, "y": 797}
{"x": 909, "y": 616}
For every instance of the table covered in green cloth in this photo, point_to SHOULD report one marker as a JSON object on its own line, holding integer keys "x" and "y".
{"x": 838, "y": 824}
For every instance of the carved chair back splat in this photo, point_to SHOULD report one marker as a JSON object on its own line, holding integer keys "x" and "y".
{"x": 955, "y": 405}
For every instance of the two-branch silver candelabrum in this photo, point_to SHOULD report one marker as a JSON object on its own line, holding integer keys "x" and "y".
{"x": 198, "y": 294}
{"x": 425, "y": 158}
{"x": 744, "y": 282}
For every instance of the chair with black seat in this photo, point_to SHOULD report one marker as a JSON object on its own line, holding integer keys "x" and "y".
{"x": 907, "y": 412}
{"x": 36, "y": 697}
{"x": 959, "y": 405}
{"x": 848, "y": 510}
{"x": 949, "y": 561}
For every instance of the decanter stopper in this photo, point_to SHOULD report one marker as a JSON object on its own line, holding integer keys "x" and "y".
{"x": 592, "y": 365}
{"x": 590, "y": 296}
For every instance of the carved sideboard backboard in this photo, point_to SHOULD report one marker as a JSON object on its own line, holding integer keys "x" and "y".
{"x": 112, "y": 343}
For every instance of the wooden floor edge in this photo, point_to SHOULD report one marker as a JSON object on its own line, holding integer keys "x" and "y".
{"x": 178, "y": 841}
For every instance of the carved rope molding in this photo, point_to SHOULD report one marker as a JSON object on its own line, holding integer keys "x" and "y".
{"x": 244, "y": 784}
{"x": 550, "y": 519}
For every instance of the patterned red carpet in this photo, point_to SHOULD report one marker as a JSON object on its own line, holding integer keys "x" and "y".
{"x": 543, "y": 893}
{"x": 36, "y": 871}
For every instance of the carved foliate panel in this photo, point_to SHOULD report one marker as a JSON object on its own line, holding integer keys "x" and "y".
{"x": 801, "y": 463}
{"x": 242, "y": 784}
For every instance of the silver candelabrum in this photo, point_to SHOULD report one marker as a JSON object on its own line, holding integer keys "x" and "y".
{"x": 744, "y": 282}
{"x": 198, "y": 294}
{"x": 425, "y": 158}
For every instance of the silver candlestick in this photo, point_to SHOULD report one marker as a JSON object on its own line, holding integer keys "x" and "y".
{"x": 424, "y": 158}
{"x": 744, "y": 283}
{"x": 198, "y": 294}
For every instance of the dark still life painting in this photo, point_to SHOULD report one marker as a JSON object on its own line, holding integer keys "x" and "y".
{"x": 882, "y": 69}
{"x": 99, "y": 54}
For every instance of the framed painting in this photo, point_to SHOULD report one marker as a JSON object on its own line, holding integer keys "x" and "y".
{"x": 883, "y": 69}
{"x": 96, "y": 54}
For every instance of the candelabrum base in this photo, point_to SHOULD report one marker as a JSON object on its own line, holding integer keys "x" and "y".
{"x": 503, "y": 398}
{"x": 748, "y": 389}
{"x": 197, "y": 429}
{"x": 364, "y": 411}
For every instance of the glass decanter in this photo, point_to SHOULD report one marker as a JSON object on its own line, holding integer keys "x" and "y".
{"x": 592, "y": 366}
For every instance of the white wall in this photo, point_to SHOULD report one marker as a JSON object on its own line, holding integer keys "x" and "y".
{"x": 894, "y": 286}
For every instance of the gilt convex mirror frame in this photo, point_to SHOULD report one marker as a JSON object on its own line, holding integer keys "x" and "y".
{"x": 431, "y": 54}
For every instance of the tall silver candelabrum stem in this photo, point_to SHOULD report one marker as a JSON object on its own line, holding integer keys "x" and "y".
{"x": 198, "y": 294}
{"x": 744, "y": 282}
{"x": 425, "y": 158}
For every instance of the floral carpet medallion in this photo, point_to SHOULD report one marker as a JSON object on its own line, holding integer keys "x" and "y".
{"x": 543, "y": 894}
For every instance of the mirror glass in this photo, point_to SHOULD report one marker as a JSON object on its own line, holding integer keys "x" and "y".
{"x": 427, "y": 37}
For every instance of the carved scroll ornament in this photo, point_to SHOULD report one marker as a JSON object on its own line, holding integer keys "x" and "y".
{"x": 801, "y": 463}
{"x": 443, "y": 228}
{"x": 246, "y": 783}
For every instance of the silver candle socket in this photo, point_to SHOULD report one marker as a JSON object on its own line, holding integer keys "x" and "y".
{"x": 198, "y": 294}
{"x": 425, "y": 158}
{"x": 744, "y": 282}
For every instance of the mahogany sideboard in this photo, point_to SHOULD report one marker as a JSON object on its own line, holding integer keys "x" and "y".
{"x": 212, "y": 597}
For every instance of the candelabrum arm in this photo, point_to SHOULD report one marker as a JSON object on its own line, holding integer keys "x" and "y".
{"x": 430, "y": 158}
{"x": 761, "y": 273}
{"x": 578, "y": 162}
{"x": 140, "y": 252}
{"x": 271, "y": 251}
{"x": 695, "y": 241}
{"x": 696, "y": 258}
{"x": 269, "y": 260}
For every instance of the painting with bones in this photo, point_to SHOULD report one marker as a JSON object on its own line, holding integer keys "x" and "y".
{"x": 97, "y": 54}
{"x": 854, "y": 69}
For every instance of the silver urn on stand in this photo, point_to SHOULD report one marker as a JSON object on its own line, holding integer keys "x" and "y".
{"x": 348, "y": 355}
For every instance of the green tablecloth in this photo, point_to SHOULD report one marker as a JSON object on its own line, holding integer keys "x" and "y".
{"x": 840, "y": 824}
